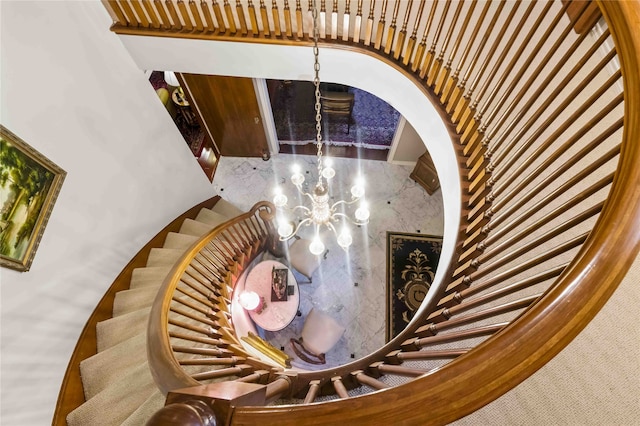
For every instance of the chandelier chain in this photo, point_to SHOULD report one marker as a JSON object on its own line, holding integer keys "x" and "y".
{"x": 316, "y": 83}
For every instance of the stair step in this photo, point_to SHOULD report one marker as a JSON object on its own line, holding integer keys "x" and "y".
{"x": 227, "y": 209}
{"x": 118, "y": 329}
{"x": 104, "y": 368}
{"x": 195, "y": 228}
{"x": 164, "y": 256}
{"x": 179, "y": 241}
{"x": 115, "y": 403}
{"x": 140, "y": 417}
{"x": 210, "y": 217}
{"x": 149, "y": 276}
{"x": 131, "y": 300}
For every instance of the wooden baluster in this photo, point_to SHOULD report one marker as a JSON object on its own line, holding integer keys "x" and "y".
{"x": 430, "y": 55}
{"x": 266, "y": 28}
{"x": 198, "y": 299}
{"x": 517, "y": 78}
{"x": 114, "y": 6}
{"x": 402, "y": 35}
{"x": 552, "y": 97}
{"x": 459, "y": 294}
{"x": 201, "y": 351}
{"x": 231, "y": 21}
{"x": 381, "y": 368}
{"x": 275, "y": 13}
{"x": 299, "y": 21}
{"x": 182, "y": 9}
{"x": 234, "y": 360}
{"x": 369, "y": 29}
{"x": 357, "y": 23}
{"x": 195, "y": 13}
{"x": 193, "y": 316}
{"x": 194, "y": 337}
{"x": 242, "y": 19}
{"x": 278, "y": 387}
{"x": 287, "y": 19}
{"x": 481, "y": 331}
{"x": 560, "y": 129}
{"x": 339, "y": 387}
{"x": 239, "y": 370}
{"x": 443, "y": 78}
{"x": 398, "y": 357}
{"x": 411, "y": 44}
{"x": 433, "y": 73}
{"x": 391, "y": 32}
{"x": 565, "y": 187}
{"x": 193, "y": 306}
{"x": 334, "y": 21}
{"x": 211, "y": 26}
{"x": 128, "y": 12}
{"x": 253, "y": 17}
{"x": 255, "y": 377}
{"x": 462, "y": 101}
{"x": 381, "y": 24}
{"x": 345, "y": 21}
{"x": 314, "y": 388}
{"x": 176, "y": 24}
{"x": 217, "y": 12}
{"x": 469, "y": 113}
{"x": 364, "y": 379}
{"x": 164, "y": 19}
{"x": 462, "y": 320}
{"x": 420, "y": 51}
{"x": 142, "y": 18}
{"x": 322, "y": 17}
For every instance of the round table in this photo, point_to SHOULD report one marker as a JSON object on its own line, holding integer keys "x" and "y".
{"x": 278, "y": 314}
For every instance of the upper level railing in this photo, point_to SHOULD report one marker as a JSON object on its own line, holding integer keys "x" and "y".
{"x": 544, "y": 119}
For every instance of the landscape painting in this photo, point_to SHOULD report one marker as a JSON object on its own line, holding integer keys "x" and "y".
{"x": 29, "y": 186}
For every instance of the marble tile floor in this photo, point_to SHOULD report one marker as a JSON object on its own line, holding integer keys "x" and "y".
{"x": 350, "y": 286}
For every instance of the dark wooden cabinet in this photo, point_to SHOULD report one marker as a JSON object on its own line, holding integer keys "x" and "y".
{"x": 425, "y": 174}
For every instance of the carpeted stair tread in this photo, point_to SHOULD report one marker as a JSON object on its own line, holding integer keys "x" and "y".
{"x": 227, "y": 209}
{"x": 164, "y": 256}
{"x": 115, "y": 403}
{"x": 176, "y": 240}
{"x": 148, "y": 276}
{"x": 103, "y": 369}
{"x": 195, "y": 228}
{"x": 131, "y": 300}
{"x": 143, "y": 413}
{"x": 210, "y": 217}
{"x": 118, "y": 329}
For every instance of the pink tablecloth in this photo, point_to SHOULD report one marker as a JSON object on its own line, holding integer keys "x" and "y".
{"x": 275, "y": 315}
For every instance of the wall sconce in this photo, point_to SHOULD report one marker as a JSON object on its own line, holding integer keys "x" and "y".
{"x": 251, "y": 301}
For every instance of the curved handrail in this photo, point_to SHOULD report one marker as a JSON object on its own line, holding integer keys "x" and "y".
{"x": 502, "y": 362}
{"x": 512, "y": 355}
{"x": 164, "y": 366}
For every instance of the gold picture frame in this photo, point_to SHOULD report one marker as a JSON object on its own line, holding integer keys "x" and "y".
{"x": 29, "y": 186}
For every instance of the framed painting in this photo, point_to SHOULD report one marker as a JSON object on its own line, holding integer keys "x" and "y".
{"x": 29, "y": 186}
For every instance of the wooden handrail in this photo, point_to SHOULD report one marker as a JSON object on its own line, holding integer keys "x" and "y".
{"x": 494, "y": 366}
{"x": 480, "y": 376}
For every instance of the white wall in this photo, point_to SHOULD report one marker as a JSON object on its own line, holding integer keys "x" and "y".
{"x": 71, "y": 90}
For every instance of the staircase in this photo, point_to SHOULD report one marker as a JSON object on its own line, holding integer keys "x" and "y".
{"x": 543, "y": 116}
{"x": 120, "y": 365}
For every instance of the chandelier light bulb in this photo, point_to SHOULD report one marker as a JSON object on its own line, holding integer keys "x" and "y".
{"x": 357, "y": 190}
{"x": 285, "y": 228}
{"x": 345, "y": 239}
{"x": 362, "y": 213}
{"x": 328, "y": 172}
{"x": 280, "y": 200}
{"x": 316, "y": 247}
{"x": 297, "y": 177}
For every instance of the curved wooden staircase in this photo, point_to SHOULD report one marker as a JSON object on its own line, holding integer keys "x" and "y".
{"x": 544, "y": 119}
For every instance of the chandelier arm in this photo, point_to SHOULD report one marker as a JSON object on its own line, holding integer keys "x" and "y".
{"x": 307, "y": 210}
{"x": 346, "y": 203}
{"x": 354, "y": 221}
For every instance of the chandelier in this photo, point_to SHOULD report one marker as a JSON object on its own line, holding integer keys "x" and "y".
{"x": 320, "y": 214}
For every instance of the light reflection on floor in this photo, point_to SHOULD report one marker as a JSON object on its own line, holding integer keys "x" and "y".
{"x": 348, "y": 286}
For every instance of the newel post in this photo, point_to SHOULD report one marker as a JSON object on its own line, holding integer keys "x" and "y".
{"x": 207, "y": 405}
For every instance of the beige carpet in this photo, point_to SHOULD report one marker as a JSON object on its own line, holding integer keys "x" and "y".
{"x": 593, "y": 381}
